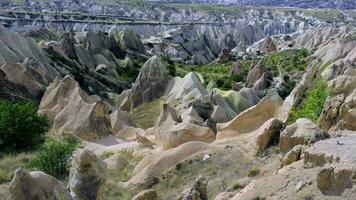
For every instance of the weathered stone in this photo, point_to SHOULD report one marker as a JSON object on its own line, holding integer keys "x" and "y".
{"x": 333, "y": 180}
{"x": 198, "y": 190}
{"x": 87, "y": 176}
{"x": 331, "y": 151}
{"x": 146, "y": 195}
{"x": 256, "y": 73}
{"x": 266, "y": 133}
{"x": 172, "y": 131}
{"x": 303, "y": 132}
{"x": 72, "y": 111}
{"x": 150, "y": 83}
{"x": 37, "y": 185}
{"x": 329, "y": 115}
{"x": 292, "y": 155}
{"x": 252, "y": 118}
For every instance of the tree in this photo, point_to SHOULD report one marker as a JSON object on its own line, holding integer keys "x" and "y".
{"x": 20, "y": 125}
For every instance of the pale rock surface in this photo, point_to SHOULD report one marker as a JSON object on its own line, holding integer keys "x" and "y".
{"x": 146, "y": 195}
{"x": 266, "y": 133}
{"x": 156, "y": 164}
{"x": 303, "y": 132}
{"x": 172, "y": 131}
{"x": 72, "y": 111}
{"x": 252, "y": 118}
{"x": 28, "y": 74}
{"x": 329, "y": 115}
{"x": 87, "y": 176}
{"x": 37, "y": 185}
{"x": 119, "y": 120}
{"x": 292, "y": 155}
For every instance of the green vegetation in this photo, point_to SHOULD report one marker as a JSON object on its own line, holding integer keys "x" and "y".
{"x": 9, "y": 163}
{"x": 20, "y": 126}
{"x": 112, "y": 189}
{"x": 254, "y": 171}
{"x": 313, "y": 104}
{"x": 145, "y": 115}
{"x": 54, "y": 156}
{"x": 287, "y": 61}
{"x": 219, "y": 73}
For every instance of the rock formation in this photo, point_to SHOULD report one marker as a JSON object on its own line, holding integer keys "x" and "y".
{"x": 303, "y": 132}
{"x": 172, "y": 131}
{"x": 37, "y": 185}
{"x": 150, "y": 83}
{"x": 87, "y": 176}
{"x": 72, "y": 111}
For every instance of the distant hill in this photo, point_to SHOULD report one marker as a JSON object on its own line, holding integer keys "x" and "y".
{"x": 339, "y": 4}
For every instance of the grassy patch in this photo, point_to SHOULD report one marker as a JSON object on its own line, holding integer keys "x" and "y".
{"x": 287, "y": 61}
{"x": 313, "y": 104}
{"x": 9, "y": 163}
{"x": 145, "y": 115}
{"x": 254, "y": 171}
{"x": 112, "y": 188}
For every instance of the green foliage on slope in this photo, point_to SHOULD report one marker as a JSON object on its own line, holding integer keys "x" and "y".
{"x": 313, "y": 104}
{"x": 54, "y": 156}
{"x": 20, "y": 125}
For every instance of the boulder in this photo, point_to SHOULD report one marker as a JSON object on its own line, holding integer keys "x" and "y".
{"x": 332, "y": 151}
{"x": 266, "y": 134}
{"x": 292, "y": 155}
{"x": 172, "y": 131}
{"x": 347, "y": 113}
{"x": 330, "y": 112}
{"x": 87, "y": 176}
{"x": 146, "y": 195}
{"x": 198, "y": 191}
{"x": 333, "y": 180}
{"x": 72, "y": 111}
{"x": 150, "y": 83}
{"x": 303, "y": 132}
{"x": 37, "y": 185}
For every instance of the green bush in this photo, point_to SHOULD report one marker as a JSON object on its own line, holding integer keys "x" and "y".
{"x": 304, "y": 52}
{"x": 313, "y": 105}
{"x": 20, "y": 126}
{"x": 54, "y": 155}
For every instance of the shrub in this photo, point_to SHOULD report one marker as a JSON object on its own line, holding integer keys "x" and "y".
{"x": 304, "y": 52}
{"x": 54, "y": 155}
{"x": 20, "y": 126}
{"x": 313, "y": 104}
{"x": 254, "y": 171}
